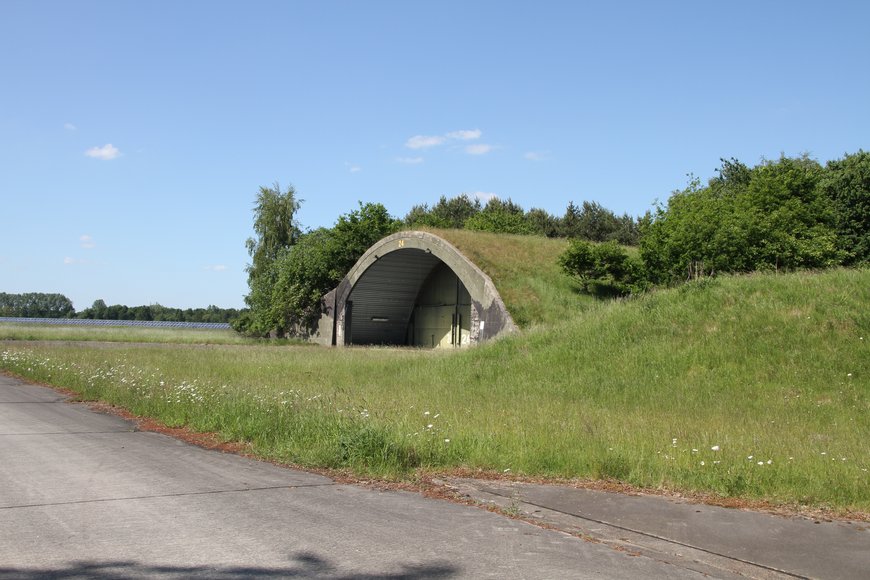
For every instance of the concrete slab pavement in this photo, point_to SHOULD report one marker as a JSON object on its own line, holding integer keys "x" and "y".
{"x": 745, "y": 542}
{"x": 84, "y": 495}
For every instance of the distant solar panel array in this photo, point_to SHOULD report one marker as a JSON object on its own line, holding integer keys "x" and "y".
{"x": 89, "y": 322}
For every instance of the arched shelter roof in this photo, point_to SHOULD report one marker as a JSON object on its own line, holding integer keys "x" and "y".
{"x": 384, "y": 282}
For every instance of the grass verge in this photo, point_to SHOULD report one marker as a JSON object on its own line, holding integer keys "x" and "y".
{"x": 749, "y": 387}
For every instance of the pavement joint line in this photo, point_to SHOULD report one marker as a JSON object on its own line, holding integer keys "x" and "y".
{"x": 165, "y": 495}
{"x": 69, "y": 433}
{"x": 650, "y": 535}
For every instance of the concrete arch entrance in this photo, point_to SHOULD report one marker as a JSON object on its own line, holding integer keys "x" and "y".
{"x": 413, "y": 288}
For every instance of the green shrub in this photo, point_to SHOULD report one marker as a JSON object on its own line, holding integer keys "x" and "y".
{"x": 603, "y": 269}
{"x": 772, "y": 217}
{"x": 847, "y": 184}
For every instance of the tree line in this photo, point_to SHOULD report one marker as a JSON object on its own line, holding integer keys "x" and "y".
{"x": 36, "y": 305}
{"x": 776, "y": 216}
{"x": 783, "y": 215}
{"x": 42, "y": 305}
{"x": 589, "y": 221}
{"x": 156, "y": 312}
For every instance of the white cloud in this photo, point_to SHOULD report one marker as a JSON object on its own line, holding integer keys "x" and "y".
{"x": 483, "y": 196}
{"x": 352, "y": 167}
{"x": 87, "y": 242}
{"x": 424, "y": 141}
{"x": 69, "y": 127}
{"x": 536, "y": 155}
{"x": 106, "y": 152}
{"x": 410, "y": 160}
{"x": 478, "y": 149}
{"x": 465, "y": 135}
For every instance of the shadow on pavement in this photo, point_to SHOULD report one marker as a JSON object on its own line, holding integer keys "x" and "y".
{"x": 307, "y": 565}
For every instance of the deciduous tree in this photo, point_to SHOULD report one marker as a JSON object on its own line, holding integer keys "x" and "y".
{"x": 276, "y": 230}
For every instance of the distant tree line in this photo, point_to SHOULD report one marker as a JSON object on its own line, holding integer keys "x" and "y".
{"x": 40, "y": 305}
{"x": 100, "y": 311}
{"x": 36, "y": 305}
{"x": 590, "y": 221}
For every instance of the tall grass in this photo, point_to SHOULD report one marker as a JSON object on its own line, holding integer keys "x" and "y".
{"x": 752, "y": 386}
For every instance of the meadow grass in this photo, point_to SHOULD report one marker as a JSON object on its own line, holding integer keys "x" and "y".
{"x": 750, "y": 387}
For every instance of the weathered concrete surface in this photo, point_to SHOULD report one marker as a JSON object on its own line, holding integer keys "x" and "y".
{"x": 84, "y": 495}
{"x": 753, "y": 544}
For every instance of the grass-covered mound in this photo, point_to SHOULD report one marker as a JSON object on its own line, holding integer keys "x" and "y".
{"x": 525, "y": 271}
{"x": 753, "y": 386}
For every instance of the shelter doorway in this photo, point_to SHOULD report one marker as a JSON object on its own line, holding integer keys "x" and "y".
{"x": 442, "y": 311}
{"x": 409, "y": 298}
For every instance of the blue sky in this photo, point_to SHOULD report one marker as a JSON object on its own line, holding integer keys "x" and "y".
{"x": 135, "y": 135}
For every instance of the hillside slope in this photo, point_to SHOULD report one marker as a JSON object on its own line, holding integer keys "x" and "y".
{"x": 753, "y": 385}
